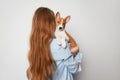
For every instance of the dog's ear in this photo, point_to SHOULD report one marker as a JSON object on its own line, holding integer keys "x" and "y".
{"x": 67, "y": 19}
{"x": 57, "y": 15}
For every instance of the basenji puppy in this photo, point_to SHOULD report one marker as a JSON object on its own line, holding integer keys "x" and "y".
{"x": 62, "y": 36}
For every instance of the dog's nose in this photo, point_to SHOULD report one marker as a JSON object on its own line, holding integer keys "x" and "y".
{"x": 60, "y": 28}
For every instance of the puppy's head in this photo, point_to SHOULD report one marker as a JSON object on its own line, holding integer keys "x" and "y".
{"x": 61, "y": 22}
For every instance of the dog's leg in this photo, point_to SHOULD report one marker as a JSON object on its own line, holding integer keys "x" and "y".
{"x": 73, "y": 45}
{"x": 63, "y": 43}
{"x": 58, "y": 37}
{"x": 59, "y": 41}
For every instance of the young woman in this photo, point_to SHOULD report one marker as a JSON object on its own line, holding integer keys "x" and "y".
{"x": 48, "y": 60}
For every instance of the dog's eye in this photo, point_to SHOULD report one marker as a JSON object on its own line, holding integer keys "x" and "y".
{"x": 63, "y": 24}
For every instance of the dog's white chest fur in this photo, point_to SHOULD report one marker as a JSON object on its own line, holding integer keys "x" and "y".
{"x": 61, "y": 37}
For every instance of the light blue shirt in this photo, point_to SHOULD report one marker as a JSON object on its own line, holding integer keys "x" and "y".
{"x": 67, "y": 64}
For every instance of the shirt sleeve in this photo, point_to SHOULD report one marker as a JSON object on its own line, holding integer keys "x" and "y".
{"x": 64, "y": 54}
{"x": 72, "y": 63}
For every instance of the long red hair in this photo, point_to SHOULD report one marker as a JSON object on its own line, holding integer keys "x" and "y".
{"x": 41, "y": 62}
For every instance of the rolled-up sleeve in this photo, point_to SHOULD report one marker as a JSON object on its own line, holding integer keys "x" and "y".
{"x": 67, "y": 64}
{"x": 72, "y": 63}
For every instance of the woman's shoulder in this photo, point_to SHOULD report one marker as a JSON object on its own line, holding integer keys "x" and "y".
{"x": 54, "y": 45}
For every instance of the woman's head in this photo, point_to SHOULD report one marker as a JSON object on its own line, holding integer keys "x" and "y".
{"x": 44, "y": 22}
{"x": 39, "y": 56}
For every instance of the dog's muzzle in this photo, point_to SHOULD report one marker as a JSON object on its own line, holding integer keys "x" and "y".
{"x": 60, "y": 28}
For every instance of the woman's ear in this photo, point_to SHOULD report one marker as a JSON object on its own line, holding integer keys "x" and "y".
{"x": 67, "y": 19}
{"x": 57, "y": 15}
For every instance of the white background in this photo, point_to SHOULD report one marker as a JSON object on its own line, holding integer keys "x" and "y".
{"x": 95, "y": 25}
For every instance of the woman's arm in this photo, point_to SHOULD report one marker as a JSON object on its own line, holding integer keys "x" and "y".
{"x": 71, "y": 62}
{"x": 74, "y": 63}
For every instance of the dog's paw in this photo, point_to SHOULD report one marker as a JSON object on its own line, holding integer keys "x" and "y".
{"x": 64, "y": 45}
{"x": 59, "y": 43}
